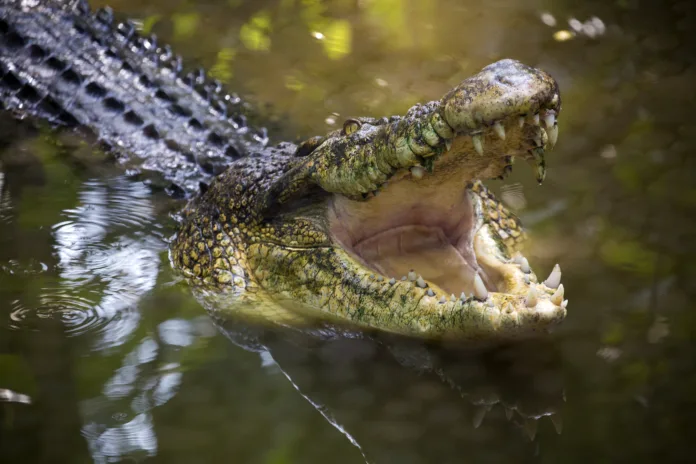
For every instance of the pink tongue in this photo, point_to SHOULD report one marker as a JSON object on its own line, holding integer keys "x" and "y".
{"x": 424, "y": 249}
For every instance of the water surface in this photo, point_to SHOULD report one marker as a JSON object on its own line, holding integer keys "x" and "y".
{"x": 105, "y": 357}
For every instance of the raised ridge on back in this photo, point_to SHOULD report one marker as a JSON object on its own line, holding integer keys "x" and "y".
{"x": 58, "y": 62}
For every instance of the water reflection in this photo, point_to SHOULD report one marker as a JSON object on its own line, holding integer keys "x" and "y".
{"x": 5, "y": 205}
{"x": 397, "y": 399}
{"x": 616, "y": 210}
{"x": 108, "y": 257}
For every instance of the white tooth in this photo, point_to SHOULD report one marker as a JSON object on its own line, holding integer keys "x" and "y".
{"x": 557, "y": 298}
{"x": 524, "y": 266}
{"x": 448, "y": 144}
{"x": 554, "y": 279}
{"x": 550, "y": 119}
{"x": 417, "y": 172}
{"x": 557, "y": 423}
{"x": 430, "y": 292}
{"x": 478, "y": 143}
{"x": 478, "y": 416}
{"x": 442, "y": 299}
{"x": 518, "y": 259}
{"x": 480, "y": 290}
{"x": 420, "y": 282}
{"x": 412, "y": 275}
{"x": 564, "y": 305}
{"x": 403, "y": 277}
{"x": 530, "y": 425}
{"x": 490, "y": 304}
{"x": 452, "y": 297}
{"x": 520, "y": 121}
{"x": 462, "y": 296}
{"x": 552, "y": 132}
{"x": 499, "y": 129}
{"x": 536, "y": 119}
{"x": 531, "y": 300}
{"x": 392, "y": 281}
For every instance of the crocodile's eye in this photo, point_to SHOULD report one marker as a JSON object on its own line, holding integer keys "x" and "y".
{"x": 350, "y": 126}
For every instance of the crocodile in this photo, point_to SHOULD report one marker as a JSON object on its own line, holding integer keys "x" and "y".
{"x": 383, "y": 224}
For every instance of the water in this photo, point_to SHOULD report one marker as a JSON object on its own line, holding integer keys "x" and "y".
{"x": 104, "y": 357}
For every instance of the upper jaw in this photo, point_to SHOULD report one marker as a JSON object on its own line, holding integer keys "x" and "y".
{"x": 508, "y": 109}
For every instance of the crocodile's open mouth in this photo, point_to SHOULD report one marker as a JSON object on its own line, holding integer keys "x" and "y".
{"x": 432, "y": 230}
{"x": 429, "y": 236}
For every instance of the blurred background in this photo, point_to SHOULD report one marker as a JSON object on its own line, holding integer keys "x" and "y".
{"x": 105, "y": 358}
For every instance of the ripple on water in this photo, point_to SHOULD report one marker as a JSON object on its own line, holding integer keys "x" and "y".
{"x": 77, "y": 314}
{"x": 5, "y": 203}
{"x": 108, "y": 256}
{"x": 112, "y": 204}
{"x": 23, "y": 268}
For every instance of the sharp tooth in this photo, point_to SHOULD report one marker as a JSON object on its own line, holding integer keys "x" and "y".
{"x": 499, "y": 129}
{"x": 448, "y": 144}
{"x": 453, "y": 298}
{"x": 478, "y": 416}
{"x": 553, "y": 135}
{"x": 524, "y": 266}
{"x": 520, "y": 121}
{"x": 531, "y": 425}
{"x": 478, "y": 143}
{"x": 557, "y": 423}
{"x": 557, "y": 298}
{"x": 420, "y": 282}
{"x": 536, "y": 119}
{"x": 564, "y": 305}
{"x": 479, "y": 288}
{"x": 380, "y": 278}
{"x": 539, "y": 163}
{"x": 403, "y": 277}
{"x": 417, "y": 172}
{"x": 531, "y": 299}
{"x": 392, "y": 281}
{"x": 490, "y": 304}
{"x": 554, "y": 279}
{"x": 526, "y": 278}
{"x": 518, "y": 259}
{"x": 412, "y": 275}
{"x": 462, "y": 296}
{"x": 550, "y": 119}
{"x": 430, "y": 292}
{"x": 442, "y": 299}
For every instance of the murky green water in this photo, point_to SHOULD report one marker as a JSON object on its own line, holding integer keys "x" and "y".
{"x": 104, "y": 358}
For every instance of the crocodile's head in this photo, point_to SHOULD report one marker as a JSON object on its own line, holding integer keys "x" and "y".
{"x": 385, "y": 224}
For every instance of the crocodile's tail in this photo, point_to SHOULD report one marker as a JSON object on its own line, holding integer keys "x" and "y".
{"x": 64, "y": 64}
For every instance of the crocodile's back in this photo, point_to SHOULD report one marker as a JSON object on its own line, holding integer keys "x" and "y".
{"x": 62, "y": 63}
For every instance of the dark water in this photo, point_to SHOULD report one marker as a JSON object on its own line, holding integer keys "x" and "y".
{"x": 105, "y": 358}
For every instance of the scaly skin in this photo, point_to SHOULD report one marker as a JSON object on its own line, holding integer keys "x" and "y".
{"x": 270, "y": 236}
{"x": 262, "y": 234}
